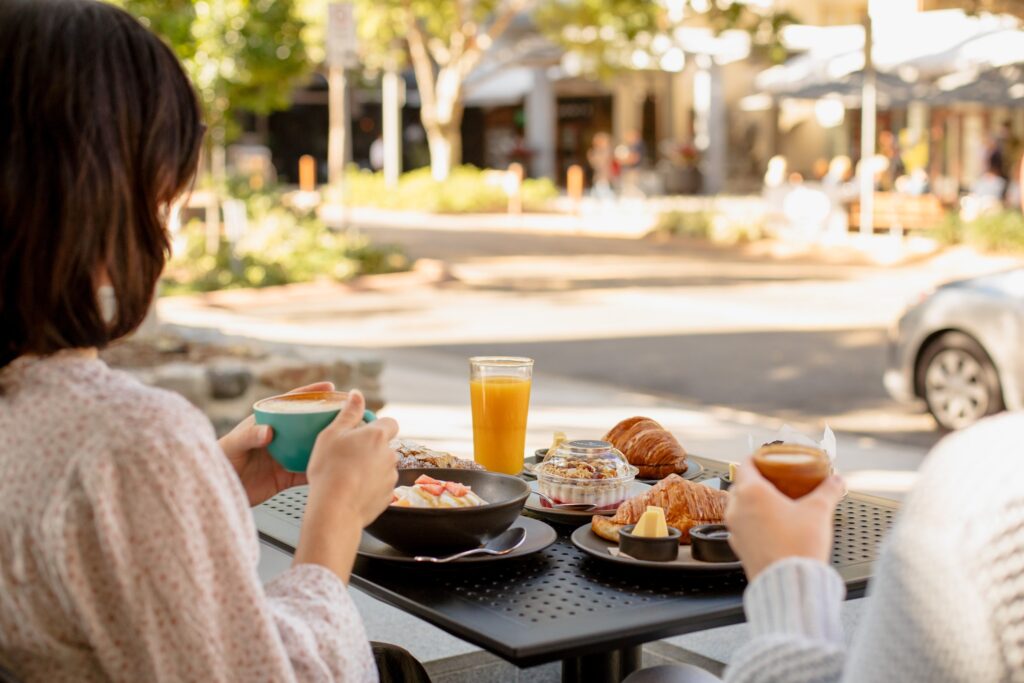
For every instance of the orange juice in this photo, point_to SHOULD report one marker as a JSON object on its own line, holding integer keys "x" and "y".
{"x": 500, "y": 406}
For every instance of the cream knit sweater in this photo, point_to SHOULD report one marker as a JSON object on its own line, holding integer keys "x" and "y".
{"x": 947, "y": 602}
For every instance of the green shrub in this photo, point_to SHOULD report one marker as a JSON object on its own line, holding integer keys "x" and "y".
{"x": 467, "y": 190}
{"x": 999, "y": 231}
{"x": 281, "y": 246}
{"x": 951, "y": 229}
{"x": 685, "y": 223}
{"x": 537, "y": 193}
{"x": 731, "y": 228}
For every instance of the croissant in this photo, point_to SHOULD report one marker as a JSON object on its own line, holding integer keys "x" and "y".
{"x": 648, "y": 446}
{"x": 686, "y": 505}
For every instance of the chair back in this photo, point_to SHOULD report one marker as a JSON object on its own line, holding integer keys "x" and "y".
{"x": 7, "y": 677}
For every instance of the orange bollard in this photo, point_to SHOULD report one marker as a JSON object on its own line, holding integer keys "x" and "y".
{"x": 515, "y": 188}
{"x": 574, "y": 184}
{"x": 307, "y": 173}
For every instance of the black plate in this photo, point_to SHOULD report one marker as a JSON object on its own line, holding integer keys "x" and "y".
{"x": 531, "y": 461}
{"x": 538, "y": 536}
{"x": 586, "y": 540}
{"x": 440, "y": 531}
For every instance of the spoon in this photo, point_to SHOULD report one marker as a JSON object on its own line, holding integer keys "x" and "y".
{"x": 571, "y": 507}
{"x": 502, "y": 544}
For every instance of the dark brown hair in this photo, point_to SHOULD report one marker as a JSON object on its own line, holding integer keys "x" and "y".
{"x": 99, "y": 131}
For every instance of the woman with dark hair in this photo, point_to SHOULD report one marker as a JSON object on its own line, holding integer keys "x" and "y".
{"x": 127, "y": 549}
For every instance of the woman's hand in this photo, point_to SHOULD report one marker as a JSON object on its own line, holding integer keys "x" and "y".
{"x": 352, "y": 473}
{"x": 246, "y": 449}
{"x": 352, "y": 463}
{"x": 767, "y": 526}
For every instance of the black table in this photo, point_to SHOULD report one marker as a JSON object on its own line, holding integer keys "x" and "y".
{"x": 562, "y": 604}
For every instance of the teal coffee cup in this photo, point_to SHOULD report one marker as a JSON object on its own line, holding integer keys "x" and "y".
{"x": 297, "y": 419}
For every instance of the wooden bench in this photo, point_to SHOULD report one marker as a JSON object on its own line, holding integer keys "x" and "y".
{"x": 900, "y": 212}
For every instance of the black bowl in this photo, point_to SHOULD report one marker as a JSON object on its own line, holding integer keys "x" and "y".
{"x": 439, "y": 531}
{"x": 711, "y": 543}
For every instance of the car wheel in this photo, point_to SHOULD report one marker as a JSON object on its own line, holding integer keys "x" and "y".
{"x": 958, "y": 381}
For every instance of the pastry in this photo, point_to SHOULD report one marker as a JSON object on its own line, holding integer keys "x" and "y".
{"x": 414, "y": 456}
{"x": 685, "y": 503}
{"x": 648, "y": 446}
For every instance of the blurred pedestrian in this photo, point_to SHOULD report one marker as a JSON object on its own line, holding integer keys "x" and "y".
{"x": 775, "y": 190}
{"x": 990, "y": 185}
{"x": 775, "y": 174}
{"x": 888, "y": 147}
{"x": 631, "y": 155}
{"x": 840, "y": 191}
{"x": 377, "y": 154}
{"x": 995, "y": 157}
{"x": 838, "y": 175}
{"x": 820, "y": 168}
{"x": 601, "y": 158}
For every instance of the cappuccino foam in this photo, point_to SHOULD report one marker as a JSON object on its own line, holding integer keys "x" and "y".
{"x": 283, "y": 405}
{"x": 789, "y": 458}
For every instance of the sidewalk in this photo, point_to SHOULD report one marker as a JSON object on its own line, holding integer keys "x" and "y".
{"x": 628, "y": 219}
{"x": 635, "y": 219}
{"x": 427, "y": 394}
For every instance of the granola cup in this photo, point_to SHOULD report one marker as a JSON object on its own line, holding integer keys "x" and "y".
{"x": 585, "y": 472}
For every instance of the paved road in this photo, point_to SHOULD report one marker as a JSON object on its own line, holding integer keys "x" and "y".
{"x": 802, "y": 340}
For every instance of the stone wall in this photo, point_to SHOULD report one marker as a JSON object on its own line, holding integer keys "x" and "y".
{"x": 225, "y": 380}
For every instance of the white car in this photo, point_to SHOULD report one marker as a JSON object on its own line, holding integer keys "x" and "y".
{"x": 959, "y": 349}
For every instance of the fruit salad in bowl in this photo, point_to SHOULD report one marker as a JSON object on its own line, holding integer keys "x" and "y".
{"x": 427, "y": 492}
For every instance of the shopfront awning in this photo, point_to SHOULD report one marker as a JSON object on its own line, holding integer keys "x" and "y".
{"x": 910, "y": 56}
{"x": 1002, "y": 87}
{"x": 500, "y": 87}
{"x": 891, "y": 90}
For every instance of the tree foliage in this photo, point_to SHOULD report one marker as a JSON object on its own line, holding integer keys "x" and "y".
{"x": 607, "y": 36}
{"x": 240, "y": 54}
{"x": 444, "y": 40}
{"x": 249, "y": 54}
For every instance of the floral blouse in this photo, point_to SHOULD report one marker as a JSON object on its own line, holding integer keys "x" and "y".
{"x": 128, "y": 551}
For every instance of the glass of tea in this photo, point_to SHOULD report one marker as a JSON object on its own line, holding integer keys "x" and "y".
{"x": 794, "y": 469}
{"x": 499, "y": 388}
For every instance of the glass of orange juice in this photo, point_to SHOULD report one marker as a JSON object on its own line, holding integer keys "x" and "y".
{"x": 499, "y": 388}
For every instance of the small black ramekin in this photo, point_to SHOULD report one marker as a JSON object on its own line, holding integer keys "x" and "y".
{"x": 662, "y": 549}
{"x": 710, "y": 543}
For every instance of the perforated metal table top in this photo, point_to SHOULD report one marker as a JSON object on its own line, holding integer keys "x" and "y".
{"x": 561, "y": 603}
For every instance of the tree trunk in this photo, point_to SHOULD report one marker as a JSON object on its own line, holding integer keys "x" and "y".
{"x": 443, "y": 124}
{"x": 445, "y": 145}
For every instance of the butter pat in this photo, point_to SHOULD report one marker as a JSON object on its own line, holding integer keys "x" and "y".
{"x": 652, "y": 524}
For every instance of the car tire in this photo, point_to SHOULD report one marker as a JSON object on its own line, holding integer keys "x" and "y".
{"x": 958, "y": 381}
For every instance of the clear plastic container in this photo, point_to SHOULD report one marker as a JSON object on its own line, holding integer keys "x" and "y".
{"x": 585, "y": 472}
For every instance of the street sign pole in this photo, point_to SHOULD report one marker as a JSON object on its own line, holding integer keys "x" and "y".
{"x": 341, "y": 55}
{"x": 393, "y": 97}
{"x": 867, "y": 137}
{"x": 337, "y": 136}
